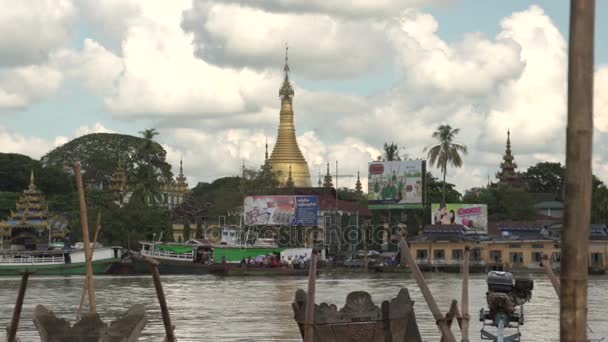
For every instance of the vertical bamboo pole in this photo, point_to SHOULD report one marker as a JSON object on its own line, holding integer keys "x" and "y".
{"x": 309, "y": 329}
{"x": 575, "y": 239}
{"x": 12, "y": 333}
{"x": 464, "y": 301}
{"x": 85, "y": 239}
{"x": 446, "y": 333}
{"x": 85, "y": 287}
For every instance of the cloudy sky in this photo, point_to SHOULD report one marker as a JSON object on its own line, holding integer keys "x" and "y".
{"x": 206, "y": 74}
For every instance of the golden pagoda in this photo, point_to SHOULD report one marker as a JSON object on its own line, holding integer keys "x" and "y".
{"x": 286, "y": 154}
{"x": 176, "y": 191}
{"x": 31, "y": 221}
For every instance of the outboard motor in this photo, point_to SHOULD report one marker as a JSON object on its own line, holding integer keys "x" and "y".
{"x": 505, "y": 294}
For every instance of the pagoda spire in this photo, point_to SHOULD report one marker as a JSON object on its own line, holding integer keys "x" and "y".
{"x": 286, "y": 151}
{"x": 32, "y": 182}
{"x": 266, "y": 153}
{"x": 327, "y": 181}
{"x": 289, "y": 182}
{"x": 286, "y": 91}
{"x": 358, "y": 187}
{"x": 507, "y": 174}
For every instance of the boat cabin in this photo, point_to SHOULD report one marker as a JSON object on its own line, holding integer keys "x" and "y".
{"x": 195, "y": 250}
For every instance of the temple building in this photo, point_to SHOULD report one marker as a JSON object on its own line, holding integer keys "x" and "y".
{"x": 286, "y": 153}
{"x": 32, "y": 223}
{"x": 174, "y": 192}
{"x": 507, "y": 175}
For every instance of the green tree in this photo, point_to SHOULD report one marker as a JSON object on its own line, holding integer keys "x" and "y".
{"x": 445, "y": 152}
{"x": 150, "y": 170}
{"x": 390, "y": 152}
{"x": 99, "y": 154}
{"x": 15, "y": 171}
{"x": 504, "y": 203}
{"x": 545, "y": 177}
{"x": 186, "y": 231}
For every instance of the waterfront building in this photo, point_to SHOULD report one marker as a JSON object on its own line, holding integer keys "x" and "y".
{"x": 507, "y": 176}
{"x": 286, "y": 153}
{"x": 32, "y": 222}
{"x": 516, "y": 246}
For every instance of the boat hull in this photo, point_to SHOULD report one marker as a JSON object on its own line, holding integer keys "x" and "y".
{"x": 99, "y": 267}
{"x": 174, "y": 267}
{"x": 260, "y": 272}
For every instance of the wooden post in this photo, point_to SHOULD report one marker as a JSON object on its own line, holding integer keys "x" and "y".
{"x": 169, "y": 334}
{"x": 579, "y": 139}
{"x": 464, "y": 300}
{"x": 85, "y": 239}
{"x": 309, "y": 331}
{"x": 446, "y": 333}
{"x": 12, "y": 334}
{"x": 550, "y": 274}
{"x": 85, "y": 287}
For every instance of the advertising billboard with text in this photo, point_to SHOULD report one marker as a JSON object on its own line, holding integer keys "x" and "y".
{"x": 474, "y": 217}
{"x": 281, "y": 210}
{"x": 396, "y": 184}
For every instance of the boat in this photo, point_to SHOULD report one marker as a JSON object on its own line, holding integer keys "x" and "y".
{"x": 228, "y": 258}
{"x": 56, "y": 261}
{"x": 191, "y": 257}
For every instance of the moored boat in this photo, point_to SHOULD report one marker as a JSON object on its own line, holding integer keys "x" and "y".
{"x": 56, "y": 262}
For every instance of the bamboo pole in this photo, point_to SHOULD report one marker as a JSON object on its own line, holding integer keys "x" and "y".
{"x": 12, "y": 333}
{"x": 464, "y": 300}
{"x": 84, "y": 289}
{"x": 160, "y": 294}
{"x": 406, "y": 256}
{"x": 550, "y": 274}
{"x": 310, "y": 300}
{"x": 575, "y": 239}
{"x": 85, "y": 239}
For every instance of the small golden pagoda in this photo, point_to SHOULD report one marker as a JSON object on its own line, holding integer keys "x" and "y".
{"x": 31, "y": 221}
{"x": 176, "y": 191}
{"x": 286, "y": 152}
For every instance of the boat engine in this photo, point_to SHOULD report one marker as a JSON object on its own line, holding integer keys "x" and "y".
{"x": 505, "y": 294}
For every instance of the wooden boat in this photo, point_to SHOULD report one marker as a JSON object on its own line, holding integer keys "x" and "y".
{"x": 174, "y": 258}
{"x": 56, "y": 262}
{"x": 360, "y": 319}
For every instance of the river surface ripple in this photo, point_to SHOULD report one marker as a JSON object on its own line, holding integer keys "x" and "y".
{"x": 206, "y": 308}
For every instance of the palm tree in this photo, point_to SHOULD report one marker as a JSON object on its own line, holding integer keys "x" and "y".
{"x": 447, "y": 151}
{"x": 391, "y": 152}
{"x": 149, "y": 133}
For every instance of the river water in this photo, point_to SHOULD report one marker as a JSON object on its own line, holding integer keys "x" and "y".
{"x": 206, "y": 308}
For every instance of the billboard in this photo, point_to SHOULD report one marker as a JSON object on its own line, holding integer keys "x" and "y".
{"x": 281, "y": 210}
{"x": 396, "y": 184}
{"x": 474, "y": 217}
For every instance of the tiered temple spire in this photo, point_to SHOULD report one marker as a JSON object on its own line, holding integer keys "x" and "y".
{"x": 286, "y": 152}
{"x": 327, "y": 181}
{"x": 358, "y": 187}
{"x": 507, "y": 175}
{"x": 31, "y": 219}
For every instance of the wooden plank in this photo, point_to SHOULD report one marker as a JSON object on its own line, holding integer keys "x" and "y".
{"x": 579, "y": 139}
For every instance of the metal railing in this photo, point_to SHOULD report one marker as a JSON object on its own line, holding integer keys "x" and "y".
{"x": 169, "y": 255}
{"x": 15, "y": 259}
